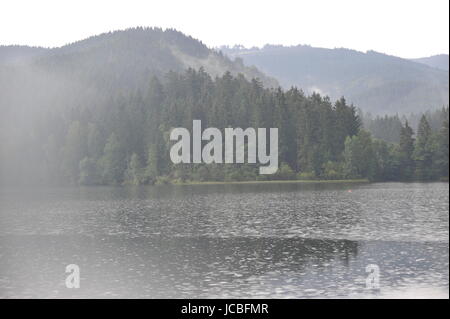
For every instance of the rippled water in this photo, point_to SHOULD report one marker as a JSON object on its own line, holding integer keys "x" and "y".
{"x": 248, "y": 240}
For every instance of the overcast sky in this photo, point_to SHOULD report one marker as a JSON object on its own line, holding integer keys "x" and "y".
{"x": 406, "y": 28}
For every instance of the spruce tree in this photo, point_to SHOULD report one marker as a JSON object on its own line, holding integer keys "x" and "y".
{"x": 406, "y": 149}
{"x": 423, "y": 154}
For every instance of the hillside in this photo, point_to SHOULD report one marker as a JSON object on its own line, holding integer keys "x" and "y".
{"x": 375, "y": 82}
{"x": 439, "y": 61}
{"x": 125, "y": 55}
{"x": 116, "y": 61}
{"x": 39, "y": 85}
{"x": 100, "y": 112}
{"x": 91, "y": 71}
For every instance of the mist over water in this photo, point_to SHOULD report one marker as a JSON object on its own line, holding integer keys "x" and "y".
{"x": 248, "y": 240}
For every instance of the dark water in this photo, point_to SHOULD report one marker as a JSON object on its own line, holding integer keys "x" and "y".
{"x": 248, "y": 240}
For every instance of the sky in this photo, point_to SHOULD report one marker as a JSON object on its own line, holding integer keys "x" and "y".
{"x": 405, "y": 28}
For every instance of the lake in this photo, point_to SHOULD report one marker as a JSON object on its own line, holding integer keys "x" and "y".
{"x": 267, "y": 240}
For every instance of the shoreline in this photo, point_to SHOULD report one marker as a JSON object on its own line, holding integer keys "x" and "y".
{"x": 337, "y": 181}
{"x": 274, "y": 182}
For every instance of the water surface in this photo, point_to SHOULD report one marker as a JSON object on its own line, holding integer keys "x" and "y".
{"x": 247, "y": 240}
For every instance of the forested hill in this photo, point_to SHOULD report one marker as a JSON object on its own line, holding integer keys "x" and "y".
{"x": 126, "y": 140}
{"x": 376, "y": 82}
{"x": 100, "y": 111}
{"x": 125, "y": 57}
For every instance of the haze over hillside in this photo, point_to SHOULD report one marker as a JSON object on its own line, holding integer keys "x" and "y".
{"x": 439, "y": 61}
{"x": 91, "y": 72}
{"x": 124, "y": 57}
{"x": 99, "y": 110}
{"x": 375, "y": 82}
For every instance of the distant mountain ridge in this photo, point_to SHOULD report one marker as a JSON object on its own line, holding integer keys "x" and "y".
{"x": 377, "y": 83}
{"x": 439, "y": 61}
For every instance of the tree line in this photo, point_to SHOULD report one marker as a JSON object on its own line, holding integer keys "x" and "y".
{"x": 126, "y": 140}
{"x": 388, "y": 127}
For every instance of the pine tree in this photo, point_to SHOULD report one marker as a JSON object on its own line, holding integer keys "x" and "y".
{"x": 88, "y": 172}
{"x": 406, "y": 149}
{"x": 134, "y": 174}
{"x": 423, "y": 154}
{"x": 152, "y": 170}
{"x": 113, "y": 161}
{"x": 442, "y": 151}
{"x": 359, "y": 156}
{"x": 74, "y": 151}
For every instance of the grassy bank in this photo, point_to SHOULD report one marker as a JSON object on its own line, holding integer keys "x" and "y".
{"x": 274, "y": 182}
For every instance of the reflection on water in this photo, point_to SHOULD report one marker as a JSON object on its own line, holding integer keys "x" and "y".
{"x": 250, "y": 240}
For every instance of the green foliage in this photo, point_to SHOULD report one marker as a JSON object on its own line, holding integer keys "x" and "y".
{"x": 442, "y": 150}
{"x": 201, "y": 174}
{"x": 113, "y": 161}
{"x": 285, "y": 172}
{"x": 152, "y": 170}
{"x": 333, "y": 171}
{"x": 163, "y": 180}
{"x": 306, "y": 176}
{"x": 126, "y": 140}
{"x": 74, "y": 151}
{"x": 423, "y": 152}
{"x": 359, "y": 156}
{"x": 405, "y": 152}
{"x": 89, "y": 174}
{"x": 387, "y": 128}
{"x": 134, "y": 173}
